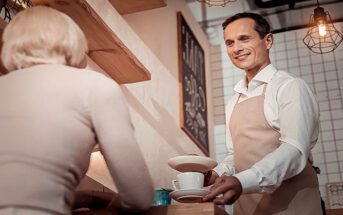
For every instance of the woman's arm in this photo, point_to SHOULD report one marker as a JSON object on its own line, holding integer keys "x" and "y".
{"x": 112, "y": 124}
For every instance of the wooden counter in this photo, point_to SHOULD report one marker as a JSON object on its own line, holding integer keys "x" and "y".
{"x": 180, "y": 209}
{"x": 334, "y": 211}
{"x": 208, "y": 208}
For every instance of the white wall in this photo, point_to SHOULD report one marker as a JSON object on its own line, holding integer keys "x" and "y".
{"x": 154, "y": 105}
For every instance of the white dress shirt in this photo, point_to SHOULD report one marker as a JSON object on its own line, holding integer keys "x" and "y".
{"x": 291, "y": 109}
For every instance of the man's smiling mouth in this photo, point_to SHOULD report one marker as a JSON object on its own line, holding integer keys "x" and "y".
{"x": 242, "y": 57}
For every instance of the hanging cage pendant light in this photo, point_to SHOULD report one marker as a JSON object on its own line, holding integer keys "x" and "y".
{"x": 216, "y": 2}
{"x": 322, "y": 36}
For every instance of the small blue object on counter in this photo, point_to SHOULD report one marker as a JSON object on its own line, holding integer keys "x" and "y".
{"x": 161, "y": 197}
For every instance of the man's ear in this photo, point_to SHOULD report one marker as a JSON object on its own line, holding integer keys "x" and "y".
{"x": 269, "y": 39}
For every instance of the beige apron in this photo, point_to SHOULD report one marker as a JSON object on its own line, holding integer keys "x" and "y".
{"x": 253, "y": 138}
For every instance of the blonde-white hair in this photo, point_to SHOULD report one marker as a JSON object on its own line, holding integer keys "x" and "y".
{"x": 42, "y": 35}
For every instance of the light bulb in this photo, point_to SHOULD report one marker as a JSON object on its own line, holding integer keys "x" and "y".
{"x": 322, "y": 29}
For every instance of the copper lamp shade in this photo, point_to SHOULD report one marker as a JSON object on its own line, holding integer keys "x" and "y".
{"x": 322, "y": 36}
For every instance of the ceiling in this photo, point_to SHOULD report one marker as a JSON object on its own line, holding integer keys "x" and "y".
{"x": 283, "y": 15}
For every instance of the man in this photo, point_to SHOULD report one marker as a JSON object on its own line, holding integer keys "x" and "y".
{"x": 272, "y": 124}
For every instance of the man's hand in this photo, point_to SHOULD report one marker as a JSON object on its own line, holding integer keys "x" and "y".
{"x": 229, "y": 186}
{"x": 210, "y": 178}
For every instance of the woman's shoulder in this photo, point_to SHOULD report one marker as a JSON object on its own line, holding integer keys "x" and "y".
{"x": 82, "y": 78}
{"x": 93, "y": 76}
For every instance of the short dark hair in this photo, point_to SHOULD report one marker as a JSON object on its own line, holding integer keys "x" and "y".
{"x": 261, "y": 25}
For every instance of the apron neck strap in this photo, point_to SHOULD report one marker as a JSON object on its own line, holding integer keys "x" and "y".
{"x": 263, "y": 92}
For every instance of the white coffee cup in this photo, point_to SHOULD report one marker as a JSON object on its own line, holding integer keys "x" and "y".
{"x": 189, "y": 180}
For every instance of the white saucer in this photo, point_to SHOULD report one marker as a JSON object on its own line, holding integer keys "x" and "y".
{"x": 189, "y": 195}
{"x": 191, "y": 163}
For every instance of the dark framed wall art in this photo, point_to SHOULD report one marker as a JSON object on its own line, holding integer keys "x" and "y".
{"x": 192, "y": 86}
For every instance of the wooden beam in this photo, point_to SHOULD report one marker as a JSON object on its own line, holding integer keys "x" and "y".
{"x": 105, "y": 47}
{"x": 133, "y": 6}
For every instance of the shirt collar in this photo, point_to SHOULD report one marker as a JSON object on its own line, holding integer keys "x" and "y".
{"x": 263, "y": 76}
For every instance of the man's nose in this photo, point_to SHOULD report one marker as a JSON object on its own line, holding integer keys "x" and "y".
{"x": 237, "y": 47}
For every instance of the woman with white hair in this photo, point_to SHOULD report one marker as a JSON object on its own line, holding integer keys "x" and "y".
{"x": 52, "y": 114}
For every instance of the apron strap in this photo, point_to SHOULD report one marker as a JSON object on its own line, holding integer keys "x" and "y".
{"x": 263, "y": 92}
{"x": 239, "y": 96}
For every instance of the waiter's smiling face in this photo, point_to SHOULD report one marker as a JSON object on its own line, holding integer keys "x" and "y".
{"x": 246, "y": 49}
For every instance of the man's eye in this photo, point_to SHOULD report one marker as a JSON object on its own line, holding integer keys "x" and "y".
{"x": 244, "y": 38}
{"x": 229, "y": 43}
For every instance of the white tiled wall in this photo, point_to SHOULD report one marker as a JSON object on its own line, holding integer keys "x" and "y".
{"x": 217, "y": 59}
{"x": 324, "y": 74}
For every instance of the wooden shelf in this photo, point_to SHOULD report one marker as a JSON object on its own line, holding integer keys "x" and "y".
{"x": 133, "y": 6}
{"x": 105, "y": 48}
